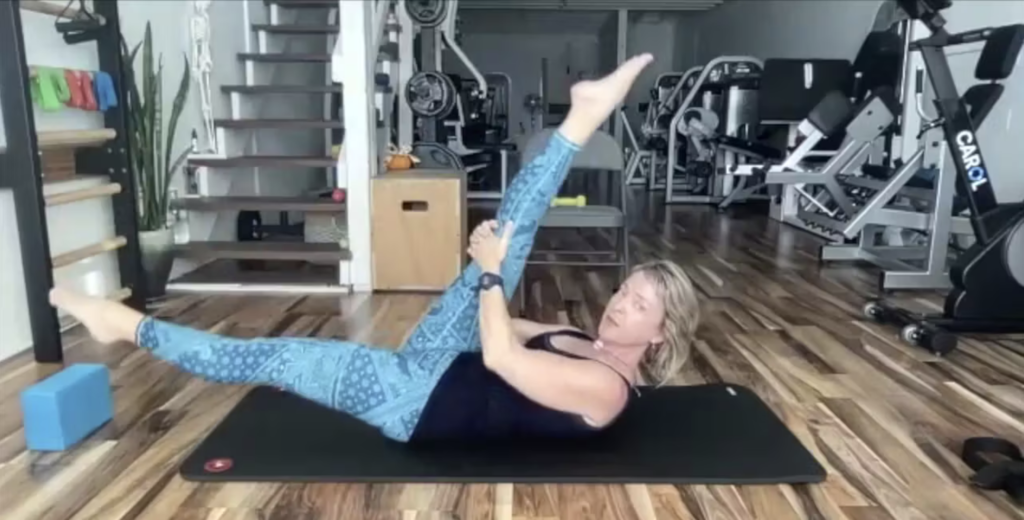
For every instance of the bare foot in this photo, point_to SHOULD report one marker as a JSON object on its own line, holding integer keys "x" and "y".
{"x": 107, "y": 321}
{"x": 594, "y": 100}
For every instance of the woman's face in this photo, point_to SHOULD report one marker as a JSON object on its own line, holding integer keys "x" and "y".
{"x": 634, "y": 314}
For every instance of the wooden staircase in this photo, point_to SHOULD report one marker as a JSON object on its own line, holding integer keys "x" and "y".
{"x": 229, "y": 264}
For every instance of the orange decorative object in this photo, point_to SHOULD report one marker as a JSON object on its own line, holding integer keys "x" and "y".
{"x": 399, "y": 162}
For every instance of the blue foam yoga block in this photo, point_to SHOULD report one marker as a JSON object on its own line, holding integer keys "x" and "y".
{"x": 64, "y": 408}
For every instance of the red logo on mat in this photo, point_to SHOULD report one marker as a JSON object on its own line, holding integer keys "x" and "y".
{"x": 218, "y": 465}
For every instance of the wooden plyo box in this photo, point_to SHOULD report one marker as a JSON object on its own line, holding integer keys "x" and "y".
{"x": 418, "y": 229}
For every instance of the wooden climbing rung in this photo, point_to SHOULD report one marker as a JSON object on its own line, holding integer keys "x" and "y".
{"x": 52, "y": 9}
{"x": 93, "y": 192}
{"x": 77, "y": 255}
{"x": 74, "y": 138}
{"x": 120, "y": 295}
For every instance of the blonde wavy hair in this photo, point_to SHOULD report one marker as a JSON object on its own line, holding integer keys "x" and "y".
{"x": 664, "y": 361}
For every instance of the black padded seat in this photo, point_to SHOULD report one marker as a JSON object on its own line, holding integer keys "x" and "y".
{"x": 981, "y": 99}
{"x": 751, "y": 148}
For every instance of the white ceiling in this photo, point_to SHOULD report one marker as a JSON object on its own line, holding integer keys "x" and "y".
{"x": 593, "y": 5}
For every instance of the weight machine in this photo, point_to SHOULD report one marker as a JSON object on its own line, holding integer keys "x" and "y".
{"x": 652, "y": 153}
{"x": 727, "y": 86}
{"x": 471, "y": 107}
{"x": 852, "y": 196}
{"x": 907, "y": 200}
{"x": 988, "y": 278}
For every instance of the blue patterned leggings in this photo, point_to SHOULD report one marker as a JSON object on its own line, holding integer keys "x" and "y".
{"x": 384, "y": 388}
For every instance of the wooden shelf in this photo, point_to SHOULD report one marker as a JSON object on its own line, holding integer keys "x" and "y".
{"x": 268, "y": 161}
{"x": 263, "y": 250}
{"x": 304, "y": 204}
{"x": 74, "y": 138}
{"x": 293, "y": 124}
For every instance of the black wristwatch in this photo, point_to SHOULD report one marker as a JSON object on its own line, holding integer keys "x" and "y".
{"x": 488, "y": 280}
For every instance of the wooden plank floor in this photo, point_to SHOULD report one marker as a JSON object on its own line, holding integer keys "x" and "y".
{"x": 885, "y": 419}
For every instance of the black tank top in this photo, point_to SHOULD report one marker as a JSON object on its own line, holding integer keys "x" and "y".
{"x": 472, "y": 403}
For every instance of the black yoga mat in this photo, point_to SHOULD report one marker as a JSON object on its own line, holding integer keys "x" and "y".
{"x": 709, "y": 434}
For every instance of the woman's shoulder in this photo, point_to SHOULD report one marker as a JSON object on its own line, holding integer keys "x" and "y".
{"x": 528, "y": 328}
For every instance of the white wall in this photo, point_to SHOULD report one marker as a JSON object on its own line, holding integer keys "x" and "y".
{"x": 77, "y": 225}
{"x": 836, "y": 29}
{"x": 608, "y": 45}
{"x": 228, "y": 36}
{"x": 576, "y": 44}
{"x": 288, "y": 181}
{"x": 515, "y": 42}
{"x": 1001, "y": 134}
{"x": 784, "y": 28}
{"x": 687, "y": 41}
{"x": 570, "y": 57}
{"x": 658, "y": 34}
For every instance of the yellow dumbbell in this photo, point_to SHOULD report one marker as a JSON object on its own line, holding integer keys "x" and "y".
{"x": 577, "y": 201}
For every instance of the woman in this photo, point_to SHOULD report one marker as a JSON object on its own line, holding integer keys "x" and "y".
{"x": 468, "y": 371}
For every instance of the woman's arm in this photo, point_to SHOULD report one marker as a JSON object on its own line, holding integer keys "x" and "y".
{"x": 582, "y": 387}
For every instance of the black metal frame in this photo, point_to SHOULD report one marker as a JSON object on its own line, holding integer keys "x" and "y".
{"x": 992, "y": 222}
{"x": 21, "y": 171}
{"x": 958, "y": 129}
{"x": 115, "y": 157}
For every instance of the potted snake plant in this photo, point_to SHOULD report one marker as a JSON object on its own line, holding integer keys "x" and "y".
{"x": 154, "y": 159}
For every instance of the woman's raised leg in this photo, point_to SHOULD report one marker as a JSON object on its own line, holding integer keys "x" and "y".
{"x": 452, "y": 321}
{"x": 384, "y": 388}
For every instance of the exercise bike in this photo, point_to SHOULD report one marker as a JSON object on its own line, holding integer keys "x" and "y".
{"x": 988, "y": 278}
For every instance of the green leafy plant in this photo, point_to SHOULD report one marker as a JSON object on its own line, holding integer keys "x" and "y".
{"x": 153, "y": 159}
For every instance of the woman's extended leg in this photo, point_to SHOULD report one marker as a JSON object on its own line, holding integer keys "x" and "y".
{"x": 384, "y": 388}
{"x": 452, "y": 321}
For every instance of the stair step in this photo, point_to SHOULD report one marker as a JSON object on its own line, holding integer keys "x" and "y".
{"x": 295, "y": 28}
{"x": 304, "y": 204}
{"x": 296, "y": 124}
{"x": 229, "y": 272}
{"x": 252, "y": 161}
{"x": 263, "y": 251}
{"x": 382, "y": 81}
{"x": 282, "y": 89}
{"x": 283, "y": 57}
{"x": 323, "y": 4}
{"x": 388, "y": 51}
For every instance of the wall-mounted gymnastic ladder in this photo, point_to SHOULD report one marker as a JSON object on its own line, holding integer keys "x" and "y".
{"x": 100, "y": 151}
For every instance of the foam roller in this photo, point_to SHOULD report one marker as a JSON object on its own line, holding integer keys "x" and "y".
{"x": 577, "y": 201}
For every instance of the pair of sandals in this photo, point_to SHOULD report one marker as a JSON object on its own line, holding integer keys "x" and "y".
{"x": 998, "y": 465}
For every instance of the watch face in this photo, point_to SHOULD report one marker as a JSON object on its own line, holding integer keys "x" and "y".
{"x": 488, "y": 280}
